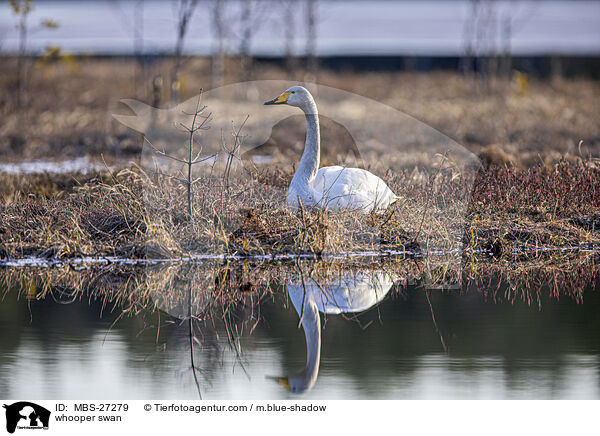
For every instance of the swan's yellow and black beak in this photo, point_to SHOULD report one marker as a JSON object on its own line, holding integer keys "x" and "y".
{"x": 283, "y": 98}
{"x": 283, "y": 381}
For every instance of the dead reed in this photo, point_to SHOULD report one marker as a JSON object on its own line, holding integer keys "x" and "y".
{"x": 133, "y": 214}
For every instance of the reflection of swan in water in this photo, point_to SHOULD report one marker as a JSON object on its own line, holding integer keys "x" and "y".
{"x": 353, "y": 292}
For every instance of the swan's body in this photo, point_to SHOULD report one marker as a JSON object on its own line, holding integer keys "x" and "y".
{"x": 329, "y": 187}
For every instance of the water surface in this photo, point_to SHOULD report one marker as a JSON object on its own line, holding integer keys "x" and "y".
{"x": 378, "y": 339}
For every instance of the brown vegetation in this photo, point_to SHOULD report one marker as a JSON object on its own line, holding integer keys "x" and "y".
{"x": 134, "y": 215}
{"x": 539, "y": 192}
{"x": 68, "y": 105}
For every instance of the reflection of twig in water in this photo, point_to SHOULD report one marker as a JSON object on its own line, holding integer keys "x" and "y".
{"x": 152, "y": 326}
{"x": 73, "y": 297}
{"x": 121, "y": 315}
{"x": 303, "y": 286}
{"x": 222, "y": 309}
{"x": 252, "y": 316}
{"x": 234, "y": 342}
{"x": 191, "y": 337}
{"x": 435, "y": 323}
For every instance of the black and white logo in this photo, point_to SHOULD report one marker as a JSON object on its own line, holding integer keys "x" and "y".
{"x": 26, "y": 415}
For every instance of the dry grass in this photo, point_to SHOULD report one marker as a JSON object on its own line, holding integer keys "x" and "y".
{"x": 68, "y": 110}
{"x": 543, "y": 206}
{"x": 132, "y": 214}
{"x": 93, "y": 218}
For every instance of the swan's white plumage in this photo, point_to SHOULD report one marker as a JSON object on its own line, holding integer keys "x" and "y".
{"x": 338, "y": 188}
{"x": 332, "y": 187}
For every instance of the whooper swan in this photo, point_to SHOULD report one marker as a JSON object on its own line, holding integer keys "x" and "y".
{"x": 333, "y": 187}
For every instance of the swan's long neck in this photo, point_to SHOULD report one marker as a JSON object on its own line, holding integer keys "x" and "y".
{"x": 309, "y": 164}
{"x": 311, "y": 323}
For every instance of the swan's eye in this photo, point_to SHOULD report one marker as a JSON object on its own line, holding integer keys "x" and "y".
{"x": 293, "y": 92}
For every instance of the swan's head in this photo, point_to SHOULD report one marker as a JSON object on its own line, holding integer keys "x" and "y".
{"x": 296, "y": 384}
{"x": 295, "y": 96}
